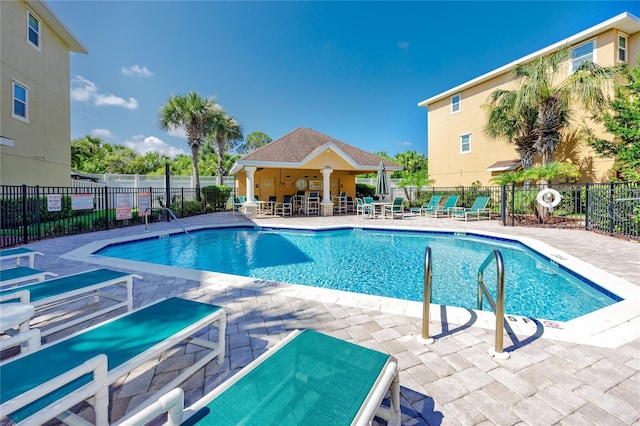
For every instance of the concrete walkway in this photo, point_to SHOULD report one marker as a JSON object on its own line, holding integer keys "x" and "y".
{"x": 453, "y": 381}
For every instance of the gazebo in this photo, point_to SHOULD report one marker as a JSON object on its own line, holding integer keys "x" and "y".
{"x": 304, "y": 160}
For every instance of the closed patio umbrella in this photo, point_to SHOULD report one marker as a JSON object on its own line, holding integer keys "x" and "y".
{"x": 382, "y": 186}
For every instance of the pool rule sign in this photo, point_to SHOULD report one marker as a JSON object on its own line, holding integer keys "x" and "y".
{"x": 124, "y": 204}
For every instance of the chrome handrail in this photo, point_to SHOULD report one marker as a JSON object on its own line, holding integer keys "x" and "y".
{"x": 146, "y": 221}
{"x": 426, "y": 303}
{"x": 498, "y": 304}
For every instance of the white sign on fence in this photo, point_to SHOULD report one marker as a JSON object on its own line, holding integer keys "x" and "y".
{"x": 144, "y": 203}
{"x": 81, "y": 201}
{"x": 54, "y": 202}
{"x": 124, "y": 204}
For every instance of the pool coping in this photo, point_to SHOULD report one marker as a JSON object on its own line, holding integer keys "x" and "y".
{"x": 611, "y": 326}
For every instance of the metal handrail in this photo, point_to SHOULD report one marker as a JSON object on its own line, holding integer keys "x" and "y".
{"x": 498, "y": 304}
{"x": 146, "y": 221}
{"x": 426, "y": 303}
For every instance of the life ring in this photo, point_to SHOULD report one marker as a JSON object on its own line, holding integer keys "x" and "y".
{"x": 543, "y": 198}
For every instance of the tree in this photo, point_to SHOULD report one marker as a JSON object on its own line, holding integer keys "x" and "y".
{"x": 253, "y": 141}
{"x": 225, "y": 131}
{"x": 87, "y": 155}
{"x": 514, "y": 125}
{"x": 195, "y": 115}
{"x": 543, "y": 94}
{"x": 621, "y": 118}
{"x": 547, "y": 172}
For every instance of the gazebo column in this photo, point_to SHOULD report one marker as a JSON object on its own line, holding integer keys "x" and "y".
{"x": 250, "y": 206}
{"x": 326, "y": 206}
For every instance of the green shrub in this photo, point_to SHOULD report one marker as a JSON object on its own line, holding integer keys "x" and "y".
{"x": 215, "y": 197}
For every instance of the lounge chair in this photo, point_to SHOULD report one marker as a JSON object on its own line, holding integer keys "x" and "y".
{"x": 54, "y": 292}
{"x": 477, "y": 211}
{"x": 430, "y": 206}
{"x": 20, "y": 253}
{"x": 285, "y": 208}
{"x": 364, "y": 210}
{"x": 446, "y": 209}
{"x": 31, "y": 382}
{"x": 308, "y": 378}
{"x": 394, "y": 209}
{"x": 22, "y": 274}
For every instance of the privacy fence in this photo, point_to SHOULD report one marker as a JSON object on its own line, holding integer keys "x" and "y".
{"x": 29, "y": 213}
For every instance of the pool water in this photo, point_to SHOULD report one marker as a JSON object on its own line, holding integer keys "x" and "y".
{"x": 377, "y": 262}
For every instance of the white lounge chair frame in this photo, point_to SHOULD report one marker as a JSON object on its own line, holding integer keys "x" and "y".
{"x": 20, "y": 253}
{"x": 92, "y": 290}
{"x": 172, "y": 403}
{"x": 19, "y": 334}
{"x": 96, "y": 391}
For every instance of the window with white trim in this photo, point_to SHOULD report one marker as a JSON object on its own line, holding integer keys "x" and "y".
{"x": 455, "y": 103}
{"x": 33, "y": 30}
{"x": 20, "y": 108}
{"x": 582, "y": 53}
{"x": 622, "y": 47}
{"x": 465, "y": 143}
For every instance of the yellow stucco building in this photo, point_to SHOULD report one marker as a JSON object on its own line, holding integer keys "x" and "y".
{"x": 35, "y": 123}
{"x": 460, "y": 153}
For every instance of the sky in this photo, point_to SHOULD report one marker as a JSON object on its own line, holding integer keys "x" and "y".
{"x": 354, "y": 71}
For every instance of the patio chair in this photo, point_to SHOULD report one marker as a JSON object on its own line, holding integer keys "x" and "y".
{"x": 446, "y": 209}
{"x": 238, "y": 203}
{"x": 478, "y": 210}
{"x": 430, "y": 206}
{"x": 312, "y": 203}
{"x": 396, "y": 209}
{"x": 54, "y": 292}
{"x": 19, "y": 253}
{"x": 285, "y": 208}
{"x": 308, "y": 378}
{"x": 340, "y": 203}
{"x": 44, "y": 384}
{"x": 367, "y": 200}
{"x": 22, "y": 274}
{"x": 364, "y": 210}
{"x": 271, "y": 204}
{"x": 351, "y": 204}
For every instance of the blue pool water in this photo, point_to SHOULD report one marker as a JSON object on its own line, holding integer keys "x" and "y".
{"x": 384, "y": 263}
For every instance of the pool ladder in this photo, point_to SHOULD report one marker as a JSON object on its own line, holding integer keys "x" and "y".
{"x": 497, "y": 305}
{"x": 168, "y": 210}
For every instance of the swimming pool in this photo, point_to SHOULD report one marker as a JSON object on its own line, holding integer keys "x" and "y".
{"x": 380, "y": 262}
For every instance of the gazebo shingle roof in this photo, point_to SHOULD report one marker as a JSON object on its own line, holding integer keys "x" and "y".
{"x": 296, "y": 145}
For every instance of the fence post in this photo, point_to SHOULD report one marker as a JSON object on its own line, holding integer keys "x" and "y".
{"x": 503, "y": 204}
{"x": 24, "y": 214}
{"x": 38, "y": 235}
{"x": 106, "y": 207}
{"x": 611, "y": 197}
{"x": 587, "y": 206}
{"x": 167, "y": 189}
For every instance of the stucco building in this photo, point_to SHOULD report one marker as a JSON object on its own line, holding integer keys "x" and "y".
{"x": 460, "y": 153}
{"x": 35, "y": 123}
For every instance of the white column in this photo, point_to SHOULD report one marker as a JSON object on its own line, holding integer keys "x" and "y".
{"x": 326, "y": 206}
{"x": 250, "y": 207}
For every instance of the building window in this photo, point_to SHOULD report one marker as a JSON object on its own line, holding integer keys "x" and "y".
{"x": 580, "y": 54}
{"x": 455, "y": 104}
{"x": 33, "y": 30}
{"x": 622, "y": 48}
{"x": 20, "y": 101}
{"x": 465, "y": 143}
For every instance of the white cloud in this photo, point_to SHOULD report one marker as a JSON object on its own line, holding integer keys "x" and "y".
{"x": 143, "y": 145}
{"x": 137, "y": 71}
{"x": 403, "y": 45}
{"x": 178, "y": 132}
{"x": 83, "y": 90}
{"x": 404, "y": 144}
{"x": 102, "y": 133}
{"x": 112, "y": 100}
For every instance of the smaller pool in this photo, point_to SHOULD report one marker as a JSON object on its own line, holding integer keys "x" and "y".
{"x": 380, "y": 262}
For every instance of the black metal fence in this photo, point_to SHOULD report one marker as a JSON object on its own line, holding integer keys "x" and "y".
{"x": 29, "y": 213}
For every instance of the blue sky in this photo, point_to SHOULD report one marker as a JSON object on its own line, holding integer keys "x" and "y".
{"x": 352, "y": 70}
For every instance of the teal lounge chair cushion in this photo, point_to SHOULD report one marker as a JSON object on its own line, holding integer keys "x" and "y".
{"x": 121, "y": 340}
{"x": 55, "y": 286}
{"x": 313, "y": 380}
{"x": 18, "y": 272}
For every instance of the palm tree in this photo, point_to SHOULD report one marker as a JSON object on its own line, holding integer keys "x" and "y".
{"x": 195, "y": 115}
{"x": 541, "y": 89}
{"x": 225, "y": 130}
{"x": 547, "y": 172}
